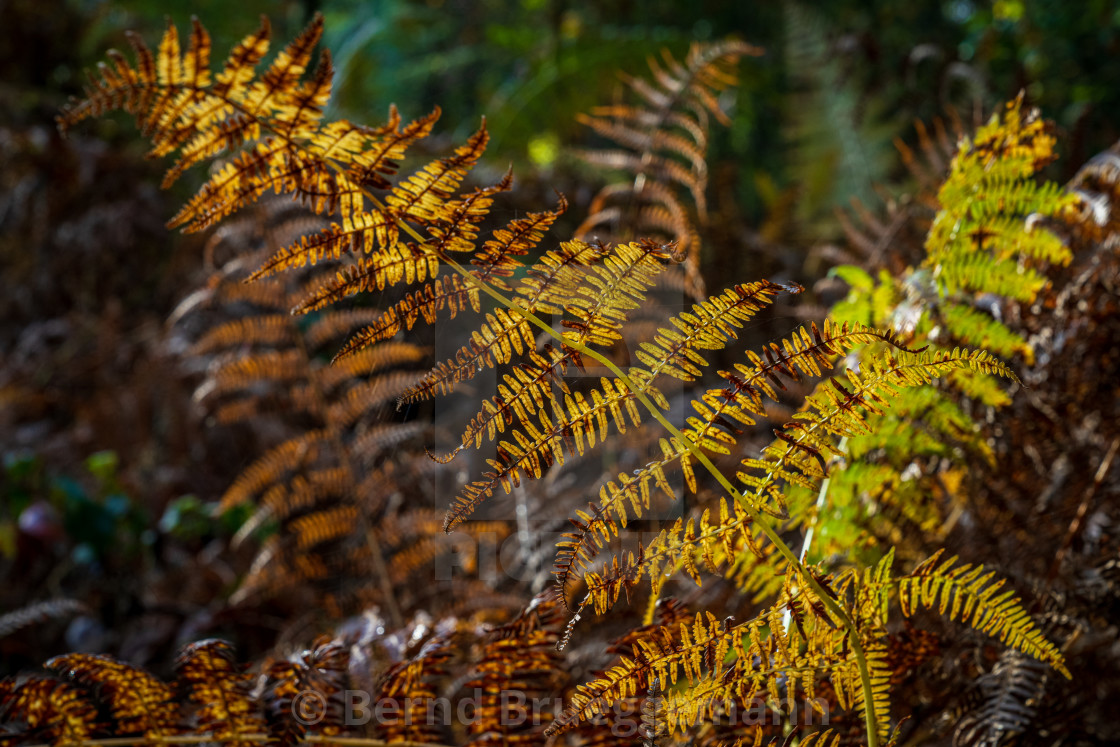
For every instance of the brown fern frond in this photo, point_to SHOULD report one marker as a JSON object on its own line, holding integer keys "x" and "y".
{"x": 450, "y": 292}
{"x": 256, "y": 330}
{"x": 306, "y": 694}
{"x": 664, "y": 139}
{"x": 411, "y": 685}
{"x": 40, "y": 612}
{"x": 47, "y": 709}
{"x": 292, "y": 454}
{"x": 519, "y": 658}
{"x": 136, "y": 701}
{"x": 211, "y": 679}
{"x": 362, "y": 398}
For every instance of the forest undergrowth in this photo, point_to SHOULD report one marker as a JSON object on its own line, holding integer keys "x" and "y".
{"x": 512, "y": 486}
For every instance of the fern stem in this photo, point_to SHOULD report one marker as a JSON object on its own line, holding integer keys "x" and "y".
{"x": 822, "y": 497}
{"x": 780, "y": 545}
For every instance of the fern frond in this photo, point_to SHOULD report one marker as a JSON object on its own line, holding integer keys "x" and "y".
{"x": 413, "y": 683}
{"x": 497, "y": 258}
{"x": 968, "y": 593}
{"x": 981, "y": 239}
{"x": 255, "y": 330}
{"x": 501, "y": 335}
{"x": 664, "y": 139}
{"x": 40, "y": 612}
{"x": 1012, "y": 693}
{"x": 137, "y": 702}
{"x": 321, "y": 674}
{"x": 289, "y": 455}
{"x": 211, "y": 679}
{"x": 401, "y": 263}
{"x": 804, "y": 445}
{"x": 519, "y": 658}
{"x": 48, "y": 709}
{"x": 975, "y": 328}
{"x": 809, "y": 351}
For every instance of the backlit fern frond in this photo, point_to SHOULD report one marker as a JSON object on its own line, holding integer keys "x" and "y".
{"x": 799, "y": 457}
{"x": 137, "y": 702}
{"x": 663, "y": 140}
{"x": 809, "y": 352}
{"x": 981, "y": 236}
{"x": 968, "y": 593}
{"x": 597, "y": 300}
{"x": 212, "y": 680}
{"x": 574, "y": 423}
{"x": 707, "y": 664}
{"x": 47, "y": 709}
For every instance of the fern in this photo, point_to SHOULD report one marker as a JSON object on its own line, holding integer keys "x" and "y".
{"x": 815, "y": 624}
{"x": 664, "y": 140}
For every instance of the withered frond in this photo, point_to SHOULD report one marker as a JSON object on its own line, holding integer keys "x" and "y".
{"x": 664, "y": 141}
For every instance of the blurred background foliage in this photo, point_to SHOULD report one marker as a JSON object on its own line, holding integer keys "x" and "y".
{"x": 90, "y": 274}
{"x": 814, "y": 119}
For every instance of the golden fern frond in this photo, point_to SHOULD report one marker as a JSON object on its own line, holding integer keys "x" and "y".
{"x": 974, "y": 596}
{"x": 799, "y": 456}
{"x": 719, "y": 661}
{"x": 363, "y": 398}
{"x": 573, "y": 422}
{"x": 322, "y": 526}
{"x": 211, "y": 679}
{"x": 805, "y": 444}
{"x": 450, "y": 292}
{"x": 137, "y": 702}
{"x": 806, "y": 351}
{"x": 399, "y": 263}
{"x": 297, "y": 496}
{"x": 660, "y": 655}
{"x": 496, "y": 260}
{"x": 598, "y": 298}
{"x": 501, "y": 335}
{"x": 48, "y": 709}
